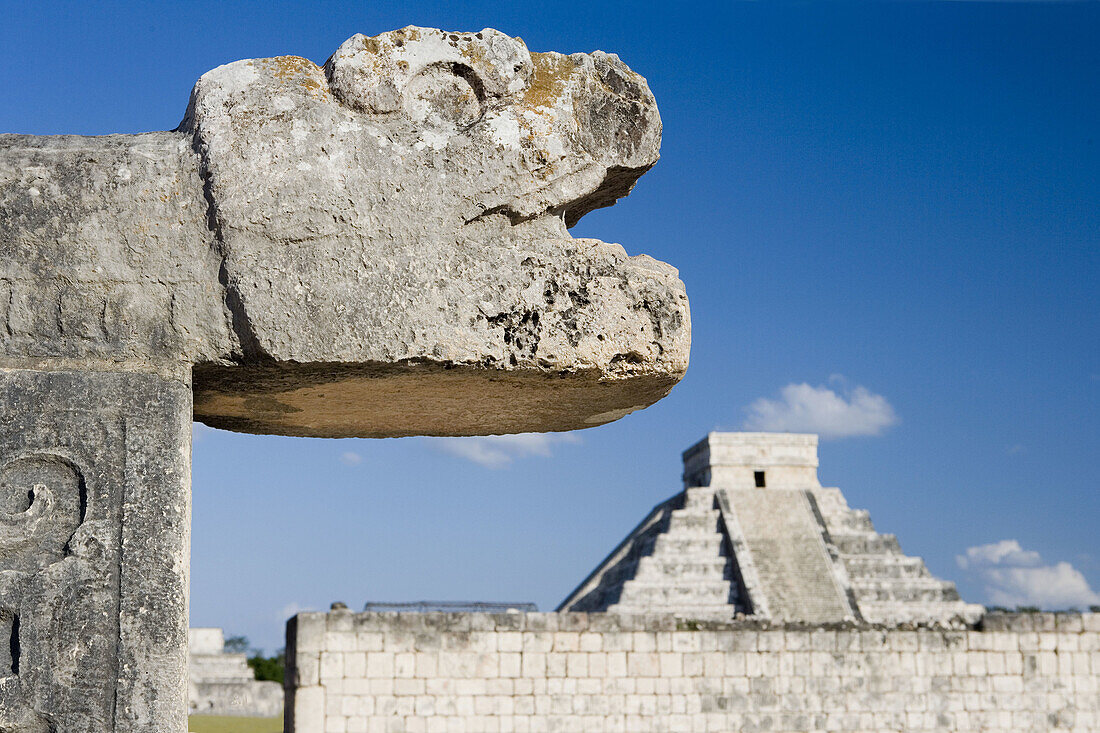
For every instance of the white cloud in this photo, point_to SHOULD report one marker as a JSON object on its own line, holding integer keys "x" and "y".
{"x": 496, "y": 451}
{"x": 1005, "y": 552}
{"x": 1013, "y": 576}
{"x": 802, "y": 408}
{"x": 350, "y": 458}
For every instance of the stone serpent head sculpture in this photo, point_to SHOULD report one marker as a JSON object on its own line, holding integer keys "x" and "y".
{"x": 375, "y": 247}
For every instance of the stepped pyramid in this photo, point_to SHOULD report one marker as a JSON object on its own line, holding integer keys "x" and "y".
{"x": 222, "y": 683}
{"x": 754, "y": 533}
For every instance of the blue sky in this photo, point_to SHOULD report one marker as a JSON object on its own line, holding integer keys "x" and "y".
{"x": 895, "y": 203}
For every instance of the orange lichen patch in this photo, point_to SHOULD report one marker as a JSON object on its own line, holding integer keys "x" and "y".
{"x": 371, "y": 45}
{"x": 287, "y": 67}
{"x": 297, "y": 69}
{"x": 474, "y": 52}
{"x": 552, "y": 71}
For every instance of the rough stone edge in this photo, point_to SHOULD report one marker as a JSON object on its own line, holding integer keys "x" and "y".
{"x": 312, "y": 626}
{"x": 152, "y": 680}
{"x": 303, "y": 695}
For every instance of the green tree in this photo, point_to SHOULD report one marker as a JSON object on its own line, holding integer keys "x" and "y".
{"x": 268, "y": 668}
{"x": 236, "y": 645}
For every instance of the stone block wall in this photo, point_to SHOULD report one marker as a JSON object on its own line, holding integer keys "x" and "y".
{"x": 227, "y": 698}
{"x": 358, "y": 673}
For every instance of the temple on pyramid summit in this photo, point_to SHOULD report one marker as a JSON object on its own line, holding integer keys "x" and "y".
{"x": 754, "y": 533}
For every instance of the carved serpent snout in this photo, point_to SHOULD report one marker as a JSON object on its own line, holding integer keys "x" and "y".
{"x": 532, "y": 134}
{"x": 382, "y": 74}
{"x": 593, "y": 103}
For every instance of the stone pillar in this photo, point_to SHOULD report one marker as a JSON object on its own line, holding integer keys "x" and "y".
{"x": 94, "y": 543}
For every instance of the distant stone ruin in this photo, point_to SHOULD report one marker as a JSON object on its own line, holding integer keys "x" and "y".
{"x": 754, "y": 533}
{"x": 374, "y": 248}
{"x": 755, "y": 600}
{"x": 222, "y": 683}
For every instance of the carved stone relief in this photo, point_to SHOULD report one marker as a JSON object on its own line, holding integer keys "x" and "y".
{"x": 59, "y": 549}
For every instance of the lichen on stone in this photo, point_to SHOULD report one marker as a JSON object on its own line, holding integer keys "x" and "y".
{"x": 297, "y": 69}
{"x": 552, "y": 71}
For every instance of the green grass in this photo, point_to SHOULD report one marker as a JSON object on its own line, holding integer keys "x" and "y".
{"x": 219, "y": 724}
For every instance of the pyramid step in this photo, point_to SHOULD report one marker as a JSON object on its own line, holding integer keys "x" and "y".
{"x": 703, "y": 522}
{"x": 892, "y": 612}
{"x": 698, "y": 510}
{"x": 220, "y": 667}
{"x": 651, "y": 575}
{"x": 865, "y": 543}
{"x": 904, "y": 590}
{"x": 671, "y": 600}
{"x": 830, "y": 501}
{"x": 668, "y": 545}
{"x": 688, "y": 530}
{"x": 643, "y": 543}
{"x": 858, "y": 520}
{"x": 885, "y": 566}
{"x": 693, "y": 585}
{"x": 680, "y": 566}
{"x": 619, "y": 574}
{"x": 705, "y": 563}
{"x": 699, "y": 497}
{"x": 636, "y": 593}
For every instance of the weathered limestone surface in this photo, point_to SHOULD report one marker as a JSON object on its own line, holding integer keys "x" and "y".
{"x": 377, "y": 247}
{"x": 657, "y": 672}
{"x": 94, "y": 533}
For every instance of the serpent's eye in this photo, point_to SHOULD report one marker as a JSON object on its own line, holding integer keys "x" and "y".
{"x": 443, "y": 95}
